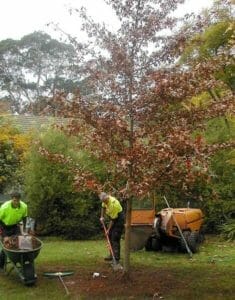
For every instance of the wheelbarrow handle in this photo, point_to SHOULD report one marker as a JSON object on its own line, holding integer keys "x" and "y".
{"x": 65, "y": 287}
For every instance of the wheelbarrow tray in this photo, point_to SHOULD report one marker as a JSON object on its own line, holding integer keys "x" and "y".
{"x": 22, "y": 260}
{"x": 19, "y": 255}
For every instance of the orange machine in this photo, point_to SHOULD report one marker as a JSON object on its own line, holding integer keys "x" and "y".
{"x": 167, "y": 229}
{"x": 187, "y": 219}
{"x": 142, "y": 216}
{"x": 142, "y": 220}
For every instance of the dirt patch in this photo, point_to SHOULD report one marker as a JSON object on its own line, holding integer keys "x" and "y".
{"x": 143, "y": 283}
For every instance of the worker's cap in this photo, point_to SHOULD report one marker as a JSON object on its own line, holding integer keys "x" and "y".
{"x": 103, "y": 196}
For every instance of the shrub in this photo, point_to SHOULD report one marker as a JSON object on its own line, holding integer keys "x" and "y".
{"x": 59, "y": 210}
{"x": 228, "y": 230}
{"x": 13, "y": 146}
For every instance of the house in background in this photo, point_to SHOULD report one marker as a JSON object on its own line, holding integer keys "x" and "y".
{"x": 27, "y": 122}
{"x": 5, "y": 107}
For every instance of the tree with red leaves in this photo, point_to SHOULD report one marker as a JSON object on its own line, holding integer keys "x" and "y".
{"x": 134, "y": 120}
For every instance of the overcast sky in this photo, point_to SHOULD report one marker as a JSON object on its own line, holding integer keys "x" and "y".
{"x": 22, "y": 17}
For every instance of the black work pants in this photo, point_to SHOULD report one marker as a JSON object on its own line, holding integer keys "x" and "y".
{"x": 115, "y": 234}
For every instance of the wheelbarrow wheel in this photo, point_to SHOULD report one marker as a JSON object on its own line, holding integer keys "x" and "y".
{"x": 29, "y": 274}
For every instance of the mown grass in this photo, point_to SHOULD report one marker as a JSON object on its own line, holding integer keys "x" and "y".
{"x": 208, "y": 275}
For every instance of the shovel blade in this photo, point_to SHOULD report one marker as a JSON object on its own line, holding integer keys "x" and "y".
{"x": 117, "y": 267}
{"x": 57, "y": 274}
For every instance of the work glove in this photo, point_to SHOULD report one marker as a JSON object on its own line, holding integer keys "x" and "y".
{"x": 21, "y": 228}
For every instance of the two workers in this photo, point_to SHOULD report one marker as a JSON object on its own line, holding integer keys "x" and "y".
{"x": 13, "y": 214}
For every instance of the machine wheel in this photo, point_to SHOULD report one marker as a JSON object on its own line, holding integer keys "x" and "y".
{"x": 148, "y": 245}
{"x": 29, "y": 274}
{"x": 194, "y": 241}
{"x": 182, "y": 243}
{"x": 201, "y": 237}
{"x": 156, "y": 244}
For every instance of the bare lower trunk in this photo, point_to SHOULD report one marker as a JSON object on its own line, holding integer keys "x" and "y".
{"x": 127, "y": 237}
{"x": 213, "y": 95}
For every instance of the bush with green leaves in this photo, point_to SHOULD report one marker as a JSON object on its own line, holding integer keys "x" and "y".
{"x": 228, "y": 230}
{"x": 221, "y": 206}
{"x": 58, "y": 209}
{"x": 8, "y": 164}
{"x": 13, "y": 146}
{"x": 218, "y": 209}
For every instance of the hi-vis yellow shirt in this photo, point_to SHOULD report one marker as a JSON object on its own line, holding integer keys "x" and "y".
{"x": 112, "y": 208}
{"x": 10, "y": 215}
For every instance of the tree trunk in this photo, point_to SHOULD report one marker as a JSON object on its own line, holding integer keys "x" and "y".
{"x": 127, "y": 237}
{"x": 213, "y": 95}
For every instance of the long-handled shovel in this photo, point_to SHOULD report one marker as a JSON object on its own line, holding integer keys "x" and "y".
{"x": 60, "y": 275}
{"x": 116, "y": 266}
{"x": 180, "y": 231}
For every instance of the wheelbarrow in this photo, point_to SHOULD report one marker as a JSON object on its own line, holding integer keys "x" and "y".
{"x": 20, "y": 253}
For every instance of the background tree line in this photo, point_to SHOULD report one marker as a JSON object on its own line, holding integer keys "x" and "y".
{"x": 33, "y": 68}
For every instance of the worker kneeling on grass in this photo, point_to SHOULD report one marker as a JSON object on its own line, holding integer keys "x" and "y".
{"x": 113, "y": 209}
{"x": 12, "y": 212}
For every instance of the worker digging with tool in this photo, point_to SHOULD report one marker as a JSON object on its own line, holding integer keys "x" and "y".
{"x": 113, "y": 209}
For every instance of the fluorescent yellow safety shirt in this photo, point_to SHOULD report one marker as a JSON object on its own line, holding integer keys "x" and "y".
{"x": 112, "y": 208}
{"x": 10, "y": 215}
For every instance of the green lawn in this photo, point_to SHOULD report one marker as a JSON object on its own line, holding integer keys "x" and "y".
{"x": 208, "y": 275}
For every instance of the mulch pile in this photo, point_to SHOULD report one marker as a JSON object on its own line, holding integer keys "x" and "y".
{"x": 21, "y": 242}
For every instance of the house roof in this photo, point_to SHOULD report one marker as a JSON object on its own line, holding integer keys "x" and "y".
{"x": 26, "y": 123}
